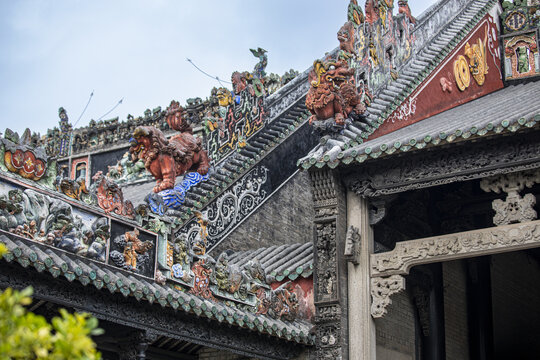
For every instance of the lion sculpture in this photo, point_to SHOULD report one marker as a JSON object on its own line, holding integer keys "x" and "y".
{"x": 333, "y": 92}
{"x": 167, "y": 159}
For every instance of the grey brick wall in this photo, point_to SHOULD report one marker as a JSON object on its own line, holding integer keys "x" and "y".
{"x": 395, "y": 331}
{"x": 515, "y": 279}
{"x": 285, "y": 218}
{"x": 455, "y": 310}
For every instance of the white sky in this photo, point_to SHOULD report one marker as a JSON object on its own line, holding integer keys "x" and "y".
{"x": 54, "y": 53}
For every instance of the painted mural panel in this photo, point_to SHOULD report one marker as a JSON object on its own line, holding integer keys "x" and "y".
{"x": 133, "y": 249}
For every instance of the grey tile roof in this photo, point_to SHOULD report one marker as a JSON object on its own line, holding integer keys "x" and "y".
{"x": 280, "y": 262}
{"x": 506, "y": 110}
{"x": 411, "y": 75}
{"x": 57, "y": 262}
{"x": 284, "y": 125}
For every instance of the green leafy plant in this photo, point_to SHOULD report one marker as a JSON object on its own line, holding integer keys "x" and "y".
{"x": 25, "y": 335}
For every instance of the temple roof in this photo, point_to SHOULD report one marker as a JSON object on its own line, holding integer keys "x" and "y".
{"x": 57, "y": 262}
{"x": 495, "y": 113}
{"x": 432, "y": 49}
{"x": 281, "y": 262}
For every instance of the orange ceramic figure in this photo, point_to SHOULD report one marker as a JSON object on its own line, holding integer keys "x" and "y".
{"x": 167, "y": 159}
{"x": 332, "y": 93}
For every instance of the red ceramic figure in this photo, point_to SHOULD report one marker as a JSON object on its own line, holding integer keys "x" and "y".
{"x": 167, "y": 159}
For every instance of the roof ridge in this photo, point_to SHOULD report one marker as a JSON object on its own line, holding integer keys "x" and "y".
{"x": 331, "y": 155}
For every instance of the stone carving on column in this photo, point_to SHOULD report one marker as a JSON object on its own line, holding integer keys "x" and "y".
{"x": 326, "y": 254}
{"x": 330, "y": 303}
{"x": 514, "y": 208}
{"x": 455, "y": 246}
{"x": 381, "y": 290}
{"x": 352, "y": 245}
{"x": 328, "y": 336}
{"x": 327, "y": 313}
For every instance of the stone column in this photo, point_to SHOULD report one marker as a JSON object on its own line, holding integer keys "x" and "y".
{"x": 330, "y": 278}
{"x": 362, "y": 344}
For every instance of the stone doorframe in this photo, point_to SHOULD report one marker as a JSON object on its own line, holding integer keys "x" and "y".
{"x": 387, "y": 269}
{"x": 516, "y": 230}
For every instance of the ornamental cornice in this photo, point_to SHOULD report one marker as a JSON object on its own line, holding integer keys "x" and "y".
{"x": 459, "y": 163}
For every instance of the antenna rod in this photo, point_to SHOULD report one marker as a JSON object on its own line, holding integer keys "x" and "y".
{"x": 207, "y": 74}
{"x": 88, "y": 103}
{"x": 114, "y": 107}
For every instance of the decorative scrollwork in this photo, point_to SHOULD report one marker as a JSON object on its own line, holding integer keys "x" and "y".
{"x": 381, "y": 289}
{"x": 514, "y": 208}
{"x": 231, "y": 207}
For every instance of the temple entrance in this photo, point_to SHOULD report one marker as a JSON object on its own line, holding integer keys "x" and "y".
{"x": 481, "y": 308}
{"x": 515, "y": 302}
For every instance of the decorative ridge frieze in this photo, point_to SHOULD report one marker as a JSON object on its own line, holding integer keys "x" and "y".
{"x": 462, "y": 245}
{"x": 431, "y": 168}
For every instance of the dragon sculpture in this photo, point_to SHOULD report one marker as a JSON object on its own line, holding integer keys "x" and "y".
{"x": 167, "y": 159}
{"x": 333, "y": 92}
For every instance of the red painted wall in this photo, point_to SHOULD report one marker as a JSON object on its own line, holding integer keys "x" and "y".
{"x": 303, "y": 287}
{"x": 439, "y": 92}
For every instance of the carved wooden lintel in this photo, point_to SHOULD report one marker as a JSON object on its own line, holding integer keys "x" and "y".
{"x": 455, "y": 246}
{"x": 381, "y": 290}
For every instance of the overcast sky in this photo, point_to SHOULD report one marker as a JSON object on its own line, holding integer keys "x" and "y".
{"x": 55, "y": 53}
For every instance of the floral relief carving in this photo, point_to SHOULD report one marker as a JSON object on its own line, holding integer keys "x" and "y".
{"x": 455, "y": 246}
{"x": 381, "y": 290}
{"x": 514, "y": 208}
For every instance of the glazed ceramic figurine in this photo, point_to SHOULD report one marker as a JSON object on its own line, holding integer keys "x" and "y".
{"x": 166, "y": 158}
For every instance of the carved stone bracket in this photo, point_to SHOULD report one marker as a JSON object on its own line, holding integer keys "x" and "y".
{"x": 455, "y": 246}
{"x": 379, "y": 208}
{"x": 514, "y": 208}
{"x": 352, "y": 245}
{"x": 381, "y": 290}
